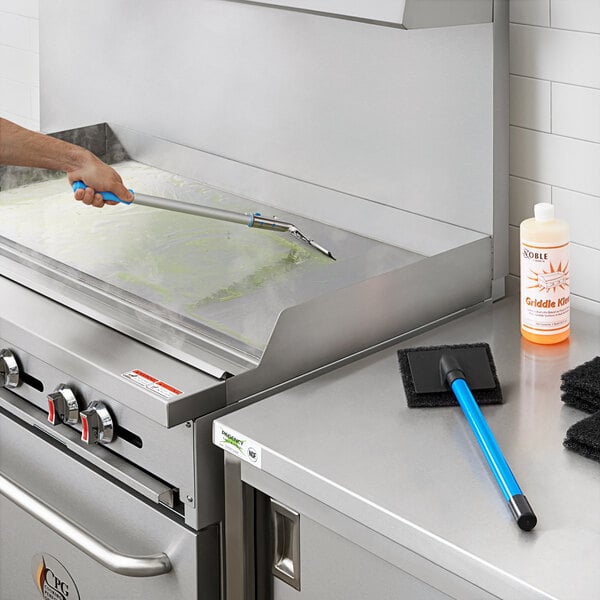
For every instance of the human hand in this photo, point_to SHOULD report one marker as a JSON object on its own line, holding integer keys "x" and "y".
{"x": 98, "y": 177}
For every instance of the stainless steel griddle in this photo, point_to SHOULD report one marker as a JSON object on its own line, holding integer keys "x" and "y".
{"x": 219, "y": 296}
{"x": 219, "y": 281}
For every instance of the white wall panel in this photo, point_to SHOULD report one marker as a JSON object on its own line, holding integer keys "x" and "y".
{"x": 19, "y": 62}
{"x": 530, "y": 12}
{"x": 403, "y": 118}
{"x": 19, "y": 65}
{"x": 582, "y": 212}
{"x": 576, "y": 111}
{"x": 19, "y": 32}
{"x": 530, "y": 103}
{"x": 16, "y": 97}
{"x": 555, "y": 55}
{"x": 579, "y": 15}
{"x": 557, "y": 160}
{"x": 25, "y": 8}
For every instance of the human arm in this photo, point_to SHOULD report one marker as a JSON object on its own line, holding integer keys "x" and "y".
{"x": 25, "y": 148}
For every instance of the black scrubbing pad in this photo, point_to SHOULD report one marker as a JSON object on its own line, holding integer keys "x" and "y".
{"x": 475, "y": 360}
{"x": 584, "y": 437}
{"x": 581, "y": 386}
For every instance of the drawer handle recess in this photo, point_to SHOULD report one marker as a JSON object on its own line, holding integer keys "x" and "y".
{"x": 124, "y": 564}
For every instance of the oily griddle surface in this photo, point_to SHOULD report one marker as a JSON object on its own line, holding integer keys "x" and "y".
{"x": 230, "y": 279}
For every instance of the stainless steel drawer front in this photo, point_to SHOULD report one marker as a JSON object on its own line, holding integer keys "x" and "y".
{"x": 53, "y": 504}
{"x": 124, "y": 564}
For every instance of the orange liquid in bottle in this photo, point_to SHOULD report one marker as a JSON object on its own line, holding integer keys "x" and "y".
{"x": 545, "y": 276}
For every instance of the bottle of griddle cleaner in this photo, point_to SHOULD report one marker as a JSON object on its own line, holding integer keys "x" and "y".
{"x": 545, "y": 273}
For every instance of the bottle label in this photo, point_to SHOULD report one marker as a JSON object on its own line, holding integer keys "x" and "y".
{"x": 545, "y": 291}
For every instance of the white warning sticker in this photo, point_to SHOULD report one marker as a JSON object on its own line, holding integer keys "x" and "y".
{"x": 152, "y": 384}
{"x": 239, "y": 445}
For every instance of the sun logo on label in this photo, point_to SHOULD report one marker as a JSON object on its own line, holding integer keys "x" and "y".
{"x": 556, "y": 277}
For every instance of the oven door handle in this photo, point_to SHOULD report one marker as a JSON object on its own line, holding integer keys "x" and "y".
{"x": 124, "y": 564}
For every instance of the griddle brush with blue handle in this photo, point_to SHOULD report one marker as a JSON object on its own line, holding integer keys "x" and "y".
{"x": 443, "y": 375}
{"x": 251, "y": 219}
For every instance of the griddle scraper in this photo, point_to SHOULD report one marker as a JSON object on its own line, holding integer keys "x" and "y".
{"x": 251, "y": 220}
{"x": 432, "y": 375}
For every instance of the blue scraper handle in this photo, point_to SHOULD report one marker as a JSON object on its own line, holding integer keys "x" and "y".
{"x": 511, "y": 490}
{"x": 79, "y": 185}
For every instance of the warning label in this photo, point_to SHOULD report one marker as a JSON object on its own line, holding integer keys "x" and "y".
{"x": 152, "y": 384}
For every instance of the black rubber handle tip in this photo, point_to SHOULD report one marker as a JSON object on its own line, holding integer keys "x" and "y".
{"x": 522, "y": 512}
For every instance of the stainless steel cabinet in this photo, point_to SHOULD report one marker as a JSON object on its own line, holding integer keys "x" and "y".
{"x": 282, "y": 544}
{"x": 331, "y": 567}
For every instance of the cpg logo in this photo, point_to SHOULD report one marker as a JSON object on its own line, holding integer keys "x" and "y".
{"x": 52, "y": 579}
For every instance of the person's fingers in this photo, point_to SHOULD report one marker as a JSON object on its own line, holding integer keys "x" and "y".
{"x": 98, "y": 201}
{"x": 79, "y": 194}
{"x": 88, "y": 196}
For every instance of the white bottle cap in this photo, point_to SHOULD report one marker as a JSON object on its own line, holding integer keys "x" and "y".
{"x": 543, "y": 211}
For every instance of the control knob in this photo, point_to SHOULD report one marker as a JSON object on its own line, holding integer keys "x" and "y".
{"x": 9, "y": 369}
{"x": 97, "y": 425}
{"x": 63, "y": 406}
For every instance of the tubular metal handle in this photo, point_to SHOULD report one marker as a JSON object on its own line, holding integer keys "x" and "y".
{"x": 177, "y": 206}
{"x": 124, "y": 564}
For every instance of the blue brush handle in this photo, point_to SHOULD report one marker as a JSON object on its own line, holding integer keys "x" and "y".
{"x": 511, "y": 490}
{"x": 79, "y": 185}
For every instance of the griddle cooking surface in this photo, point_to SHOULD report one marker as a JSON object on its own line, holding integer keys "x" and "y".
{"x": 218, "y": 277}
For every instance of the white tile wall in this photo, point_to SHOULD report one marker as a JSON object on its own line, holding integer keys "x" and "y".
{"x": 555, "y": 128}
{"x": 555, "y": 54}
{"x": 530, "y": 12}
{"x": 576, "y": 111}
{"x": 523, "y": 195}
{"x": 530, "y": 104}
{"x": 25, "y": 8}
{"x": 582, "y": 212}
{"x": 554, "y": 159}
{"x": 19, "y": 62}
{"x": 585, "y": 275}
{"x": 577, "y": 15}
{"x": 19, "y": 31}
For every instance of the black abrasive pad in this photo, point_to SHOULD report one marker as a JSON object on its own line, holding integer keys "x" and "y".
{"x": 581, "y": 386}
{"x": 584, "y": 437}
{"x": 423, "y": 382}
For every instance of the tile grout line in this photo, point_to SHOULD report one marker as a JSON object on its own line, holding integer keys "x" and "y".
{"x": 559, "y": 187}
{"x": 535, "y": 26}
{"x": 558, "y": 135}
{"x": 577, "y": 85}
{"x": 9, "y": 12}
{"x": 19, "y": 48}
